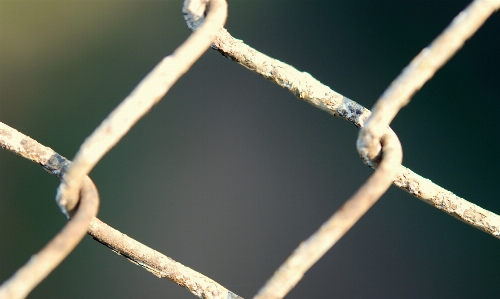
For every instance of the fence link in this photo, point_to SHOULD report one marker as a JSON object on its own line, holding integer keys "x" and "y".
{"x": 352, "y": 111}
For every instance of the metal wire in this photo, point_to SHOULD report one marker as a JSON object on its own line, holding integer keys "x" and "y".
{"x": 377, "y": 144}
{"x": 307, "y": 88}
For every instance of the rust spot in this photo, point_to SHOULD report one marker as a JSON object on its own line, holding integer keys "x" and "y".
{"x": 6, "y": 133}
{"x": 441, "y": 201}
{"x": 413, "y": 187}
{"x": 473, "y": 216}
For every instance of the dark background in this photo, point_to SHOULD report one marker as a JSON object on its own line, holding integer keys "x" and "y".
{"x": 229, "y": 173}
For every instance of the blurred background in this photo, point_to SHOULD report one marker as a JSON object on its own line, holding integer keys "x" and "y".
{"x": 229, "y": 173}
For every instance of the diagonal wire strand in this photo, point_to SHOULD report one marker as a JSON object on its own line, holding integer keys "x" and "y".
{"x": 311, "y": 250}
{"x": 26, "y": 278}
{"x": 153, "y": 261}
{"x": 377, "y": 144}
{"x": 147, "y": 93}
{"x": 307, "y": 88}
{"x": 420, "y": 70}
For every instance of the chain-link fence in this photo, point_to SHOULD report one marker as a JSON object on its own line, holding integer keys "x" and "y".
{"x": 248, "y": 188}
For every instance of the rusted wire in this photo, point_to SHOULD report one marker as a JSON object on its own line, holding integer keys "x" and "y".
{"x": 307, "y": 88}
{"x": 311, "y": 250}
{"x": 377, "y": 144}
{"x": 419, "y": 71}
{"x": 41, "y": 264}
{"x": 155, "y": 262}
{"x": 74, "y": 180}
{"x": 147, "y": 93}
{"x": 160, "y": 265}
{"x": 46, "y": 260}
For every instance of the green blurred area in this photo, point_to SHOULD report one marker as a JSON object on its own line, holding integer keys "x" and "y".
{"x": 229, "y": 173}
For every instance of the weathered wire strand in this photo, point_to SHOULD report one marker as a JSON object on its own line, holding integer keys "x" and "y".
{"x": 307, "y": 88}
{"x": 147, "y": 93}
{"x": 155, "y": 262}
{"x": 370, "y": 137}
{"x": 420, "y": 70}
{"x": 39, "y": 266}
{"x": 304, "y": 86}
{"x": 311, "y": 250}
